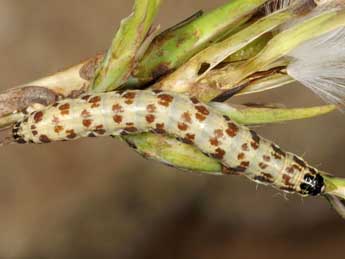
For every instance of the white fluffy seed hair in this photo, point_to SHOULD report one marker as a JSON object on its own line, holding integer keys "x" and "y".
{"x": 319, "y": 64}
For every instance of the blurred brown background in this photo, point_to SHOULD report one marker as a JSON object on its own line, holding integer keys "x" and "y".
{"x": 96, "y": 198}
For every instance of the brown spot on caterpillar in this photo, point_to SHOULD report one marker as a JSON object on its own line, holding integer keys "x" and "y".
{"x": 278, "y": 153}
{"x": 194, "y": 100}
{"x": 254, "y": 145}
{"x": 129, "y": 95}
{"x": 129, "y": 101}
{"x": 33, "y": 127}
{"x": 58, "y": 129}
{"x": 214, "y": 142}
{"x": 86, "y": 97}
{"x": 299, "y": 161}
{"x": 71, "y": 134}
{"x": 245, "y": 147}
{"x": 266, "y": 158}
{"x": 218, "y": 133}
{"x": 287, "y": 180}
{"x": 85, "y": 113}
{"x": 219, "y": 154}
{"x": 64, "y": 109}
{"x": 95, "y": 101}
{"x": 202, "y": 109}
{"x": 277, "y": 156}
{"x": 87, "y": 123}
{"x": 151, "y": 108}
{"x": 182, "y": 126}
{"x": 117, "y": 108}
{"x": 256, "y": 140}
{"x": 245, "y": 164}
{"x": 117, "y": 118}
{"x": 130, "y": 128}
{"x": 38, "y": 117}
{"x": 44, "y": 139}
{"x": 200, "y": 117}
{"x": 186, "y": 117}
{"x": 165, "y": 99}
{"x": 160, "y": 128}
{"x": 26, "y": 120}
{"x": 190, "y": 137}
{"x": 35, "y": 132}
{"x": 186, "y": 141}
{"x": 202, "y": 113}
{"x": 100, "y": 130}
{"x": 263, "y": 166}
{"x": 232, "y": 129}
{"x": 241, "y": 156}
{"x": 56, "y": 104}
{"x": 150, "y": 118}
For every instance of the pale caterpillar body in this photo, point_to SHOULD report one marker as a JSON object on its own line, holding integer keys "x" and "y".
{"x": 239, "y": 149}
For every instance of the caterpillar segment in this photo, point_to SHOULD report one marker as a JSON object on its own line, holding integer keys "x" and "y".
{"x": 239, "y": 149}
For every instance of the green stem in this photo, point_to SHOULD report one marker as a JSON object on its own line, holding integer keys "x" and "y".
{"x": 335, "y": 186}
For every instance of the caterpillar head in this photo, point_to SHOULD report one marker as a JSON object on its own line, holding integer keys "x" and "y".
{"x": 313, "y": 184}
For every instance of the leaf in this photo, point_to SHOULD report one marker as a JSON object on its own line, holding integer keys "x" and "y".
{"x": 120, "y": 59}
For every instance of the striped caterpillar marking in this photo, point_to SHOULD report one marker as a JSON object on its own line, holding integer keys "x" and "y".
{"x": 239, "y": 149}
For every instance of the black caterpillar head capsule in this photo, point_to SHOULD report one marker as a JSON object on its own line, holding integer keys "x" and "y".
{"x": 312, "y": 184}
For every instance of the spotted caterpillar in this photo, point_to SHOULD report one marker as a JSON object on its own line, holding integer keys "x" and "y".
{"x": 238, "y": 148}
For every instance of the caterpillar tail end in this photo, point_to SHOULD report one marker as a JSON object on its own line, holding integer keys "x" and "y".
{"x": 335, "y": 193}
{"x": 9, "y": 125}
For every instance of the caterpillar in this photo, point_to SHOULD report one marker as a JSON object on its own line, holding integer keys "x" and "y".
{"x": 239, "y": 149}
